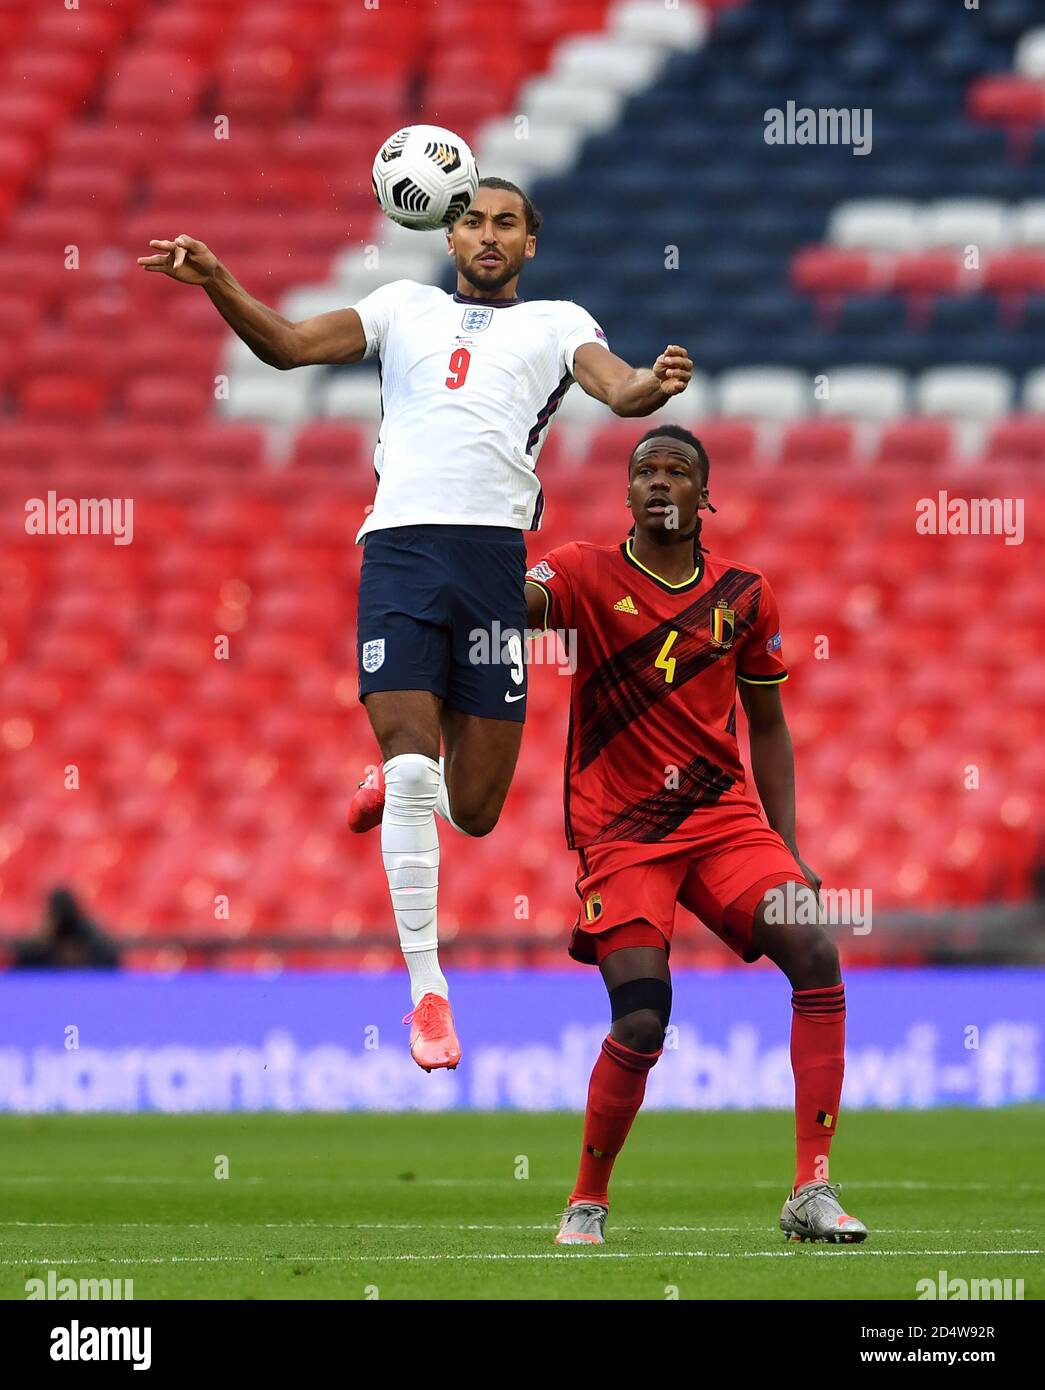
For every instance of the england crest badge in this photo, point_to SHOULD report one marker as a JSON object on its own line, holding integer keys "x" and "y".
{"x": 475, "y": 320}
{"x": 373, "y": 655}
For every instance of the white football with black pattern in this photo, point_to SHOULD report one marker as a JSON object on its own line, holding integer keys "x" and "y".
{"x": 424, "y": 177}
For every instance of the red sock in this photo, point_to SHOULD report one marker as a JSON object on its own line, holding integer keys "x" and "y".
{"x": 818, "y": 1061}
{"x": 615, "y": 1092}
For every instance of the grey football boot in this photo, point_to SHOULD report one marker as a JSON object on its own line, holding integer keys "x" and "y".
{"x": 815, "y": 1213}
{"x": 583, "y": 1223}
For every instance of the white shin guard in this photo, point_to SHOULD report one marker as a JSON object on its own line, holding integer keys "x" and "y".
{"x": 410, "y": 850}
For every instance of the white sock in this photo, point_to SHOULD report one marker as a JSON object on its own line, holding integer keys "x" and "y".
{"x": 442, "y": 801}
{"x": 410, "y": 850}
{"x": 425, "y": 975}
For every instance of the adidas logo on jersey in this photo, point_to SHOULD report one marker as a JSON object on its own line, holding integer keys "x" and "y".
{"x": 625, "y": 605}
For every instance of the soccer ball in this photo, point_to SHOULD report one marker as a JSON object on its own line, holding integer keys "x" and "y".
{"x": 424, "y": 177}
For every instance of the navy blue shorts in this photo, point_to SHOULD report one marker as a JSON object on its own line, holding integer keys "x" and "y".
{"x": 442, "y": 608}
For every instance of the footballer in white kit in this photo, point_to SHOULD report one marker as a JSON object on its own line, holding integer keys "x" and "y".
{"x": 470, "y": 382}
{"x": 514, "y": 362}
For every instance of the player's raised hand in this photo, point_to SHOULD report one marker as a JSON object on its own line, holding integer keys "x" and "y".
{"x": 184, "y": 259}
{"x": 673, "y": 369}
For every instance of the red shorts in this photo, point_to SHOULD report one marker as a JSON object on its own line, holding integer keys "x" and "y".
{"x": 629, "y": 891}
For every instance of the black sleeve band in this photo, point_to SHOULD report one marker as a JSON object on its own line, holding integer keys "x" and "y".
{"x": 633, "y": 995}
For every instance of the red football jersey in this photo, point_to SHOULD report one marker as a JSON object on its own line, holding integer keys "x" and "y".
{"x": 652, "y": 750}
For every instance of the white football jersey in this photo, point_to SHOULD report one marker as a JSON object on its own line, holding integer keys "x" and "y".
{"x": 468, "y": 390}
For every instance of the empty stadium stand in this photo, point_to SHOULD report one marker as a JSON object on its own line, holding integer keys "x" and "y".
{"x": 179, "y": 721}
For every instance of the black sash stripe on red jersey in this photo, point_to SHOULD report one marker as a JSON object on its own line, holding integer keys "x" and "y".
{"x": 701, "y": 783}
{"x": 567, "y": 783}
{"x": 624, "y": 687}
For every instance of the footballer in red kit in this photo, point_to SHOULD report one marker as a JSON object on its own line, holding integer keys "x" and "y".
{"x": 659, "y": 811}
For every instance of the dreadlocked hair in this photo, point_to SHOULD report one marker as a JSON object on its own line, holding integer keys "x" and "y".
{"x": 684, "y": 437}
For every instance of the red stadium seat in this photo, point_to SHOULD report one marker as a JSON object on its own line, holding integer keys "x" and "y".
{"x": 186, "y": 191}
{"x": 271, "y": 21}
{"x": 261, "y": 82}
{"x": 42, "y": 274}
{"x": 20, "y": 313}
{"x": 446, "y": 104}
{"x": 64, "y": 75}
{"x": 88, "y": 31}
{"x": 55, "y": 229}
{"x": 183, "y": 396}
{"x": 827, "y": 272}
{"x": 1007, "y": 99}
{"x": 197, "y": 144}
{"x": 729, "y": 443}
{"x": 53, "y": 398}
{"x": 1015, "y": 272}
{"x": 18, "y": 161}
{"x": 103, "y": 145}
{"x": 917, "y": 443}
{"x": 1020, "y": 439}
{"x": 217, "y": 444}
{"x": 819, "y": 442}
{"x": 71, "y": 188}
{"x": 198, "y": 32}
{"x": 931, "y": 272}
{"x": 155, "y": 87}
{"x": 130, "y": 444}
{"x": 374, "y": 102}
{"x": 30, "y": 114}
{"x": 331, "y": 444}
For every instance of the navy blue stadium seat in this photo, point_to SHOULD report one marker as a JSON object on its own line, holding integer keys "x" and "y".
{"x": 716, "y": 349}
{"x": 818, "y": 21}
{"x": 865, "y": 58}
{"x": 1032, "y": 316}
{"x": 867, "y": 315}
{"x": 1000, "y": 349}
{"x": 914, "y": 20}
{"x": 736, "y": 25}
{"x": 955, "y": 139}
{"x": 770, "y": 58}
{"x": 1007, "y": 19}
{"x": 771, "y": 312}
{"x": 963, "y": 314}
{"x": 910, "y": 98}
{"x": 962, "y": 55}
{"x": 738, "y": 209}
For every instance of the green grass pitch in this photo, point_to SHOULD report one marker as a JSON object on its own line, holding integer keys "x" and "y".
{"x": 463, "y": 1206}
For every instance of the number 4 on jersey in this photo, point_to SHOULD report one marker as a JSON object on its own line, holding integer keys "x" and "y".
{"x": 664, "y": 662}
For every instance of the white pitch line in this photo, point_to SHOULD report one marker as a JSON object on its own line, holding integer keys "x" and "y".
{"x": 37, "y": 1260}
{"x": 505, "y": 1226}
{"x": 847, "y": 1185}
{"x": 122, "y": 1178}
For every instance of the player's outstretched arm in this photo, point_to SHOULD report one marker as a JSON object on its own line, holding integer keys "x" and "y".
{"x": 336, "y": 337}
{"x": 631, "y": 390}
{"x": 536, "y": 606}
{"x": 773, "y": 763}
